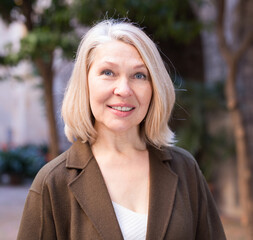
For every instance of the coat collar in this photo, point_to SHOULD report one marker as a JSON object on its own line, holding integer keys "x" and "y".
{"x": 91, "y": 193}
{"x": 79, "y": 155}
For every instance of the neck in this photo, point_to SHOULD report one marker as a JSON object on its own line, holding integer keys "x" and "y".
{"x": 119, "y": 141}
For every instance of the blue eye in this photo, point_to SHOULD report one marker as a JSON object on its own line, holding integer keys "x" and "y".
{"x": 107, "y": 73}
{"x": 140, "y": 76}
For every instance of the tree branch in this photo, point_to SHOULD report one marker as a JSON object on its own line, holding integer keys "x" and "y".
{"x": 244, "y": 45}
{"x": 27, "y": 10}
{"x": 224, "y": 48}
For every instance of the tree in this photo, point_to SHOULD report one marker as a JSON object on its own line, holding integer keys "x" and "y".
{"x": 48, "y": 28}
{"x": 170, "y": 23}
{"x": 235, "y": 54}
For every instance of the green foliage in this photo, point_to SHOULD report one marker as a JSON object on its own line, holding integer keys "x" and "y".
{"x": 51, "y": 29}
{"x": 26, "y": 160}
{"x": 194, "y": 109}
{"x": 196, "y": 99}
{"x": 165, "y": 18}
{"x": 41, "y": 42}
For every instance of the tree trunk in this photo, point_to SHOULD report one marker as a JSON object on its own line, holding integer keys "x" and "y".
{"x": 245, "y": 177}
{"x": 46, "y": 72}
{"x": 45, "y": 69}
{"x": 233, "y": 56}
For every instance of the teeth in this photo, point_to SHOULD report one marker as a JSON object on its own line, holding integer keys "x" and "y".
{"x": 123, "y": 109}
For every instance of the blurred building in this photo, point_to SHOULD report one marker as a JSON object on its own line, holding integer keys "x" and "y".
{"x": 22, "y": 110}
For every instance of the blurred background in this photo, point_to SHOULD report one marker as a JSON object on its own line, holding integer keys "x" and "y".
{"x": 207, "y": 46}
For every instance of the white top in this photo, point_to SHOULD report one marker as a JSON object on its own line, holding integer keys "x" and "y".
{"x": 133, "y": 225}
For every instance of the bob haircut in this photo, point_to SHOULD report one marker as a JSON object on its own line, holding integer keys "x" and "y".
{"x": 76, "y": 112}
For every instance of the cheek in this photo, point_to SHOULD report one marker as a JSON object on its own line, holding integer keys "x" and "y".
{"x": 98, "y": 95}
{"x": 94, "y": 90}
{"x": 147, "y": 95}
{"x": 143, "y": 91}
{"x": 93, "y": 96}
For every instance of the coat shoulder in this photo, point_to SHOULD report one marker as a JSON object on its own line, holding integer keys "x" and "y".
{"x": 48, "y": 171}
{"x": 183, "y": 163}
{"x": 182, "y": 156}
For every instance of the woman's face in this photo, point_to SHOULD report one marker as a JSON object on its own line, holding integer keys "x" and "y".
{"x": 119, "y": 87}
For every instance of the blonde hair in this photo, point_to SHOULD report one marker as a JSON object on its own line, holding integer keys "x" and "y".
{"x": 76, "y": 110}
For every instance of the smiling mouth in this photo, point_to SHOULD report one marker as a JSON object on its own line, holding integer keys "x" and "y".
{"x": 122, "y": 109}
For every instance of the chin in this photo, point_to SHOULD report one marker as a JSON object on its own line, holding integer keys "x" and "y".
{"x": 118, "y": 126}
{"x": 119, "y": 129}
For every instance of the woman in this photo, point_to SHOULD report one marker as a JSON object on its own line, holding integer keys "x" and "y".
{"x": 122, "y": 178}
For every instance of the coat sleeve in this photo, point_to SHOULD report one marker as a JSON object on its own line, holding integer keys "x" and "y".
{"x": 37, "y": 220}
{"x": 209, "y": 223}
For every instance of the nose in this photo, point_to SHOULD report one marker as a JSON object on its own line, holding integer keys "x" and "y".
{"x": 123, "y": 88}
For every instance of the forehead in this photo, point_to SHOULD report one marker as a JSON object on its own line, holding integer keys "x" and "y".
{"x": 117, "y": 51}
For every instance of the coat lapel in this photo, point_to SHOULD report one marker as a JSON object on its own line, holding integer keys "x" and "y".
{"x": 163, "y": 185}
{"x": 91, "y": 193}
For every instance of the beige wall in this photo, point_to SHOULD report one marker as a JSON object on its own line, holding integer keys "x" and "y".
{"x": 22, "y": 115}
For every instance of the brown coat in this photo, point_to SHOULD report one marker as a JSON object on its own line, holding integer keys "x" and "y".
{"x": 69, "y": 200}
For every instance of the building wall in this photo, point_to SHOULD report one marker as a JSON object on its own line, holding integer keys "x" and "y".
{"x": 22, "y": 110}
